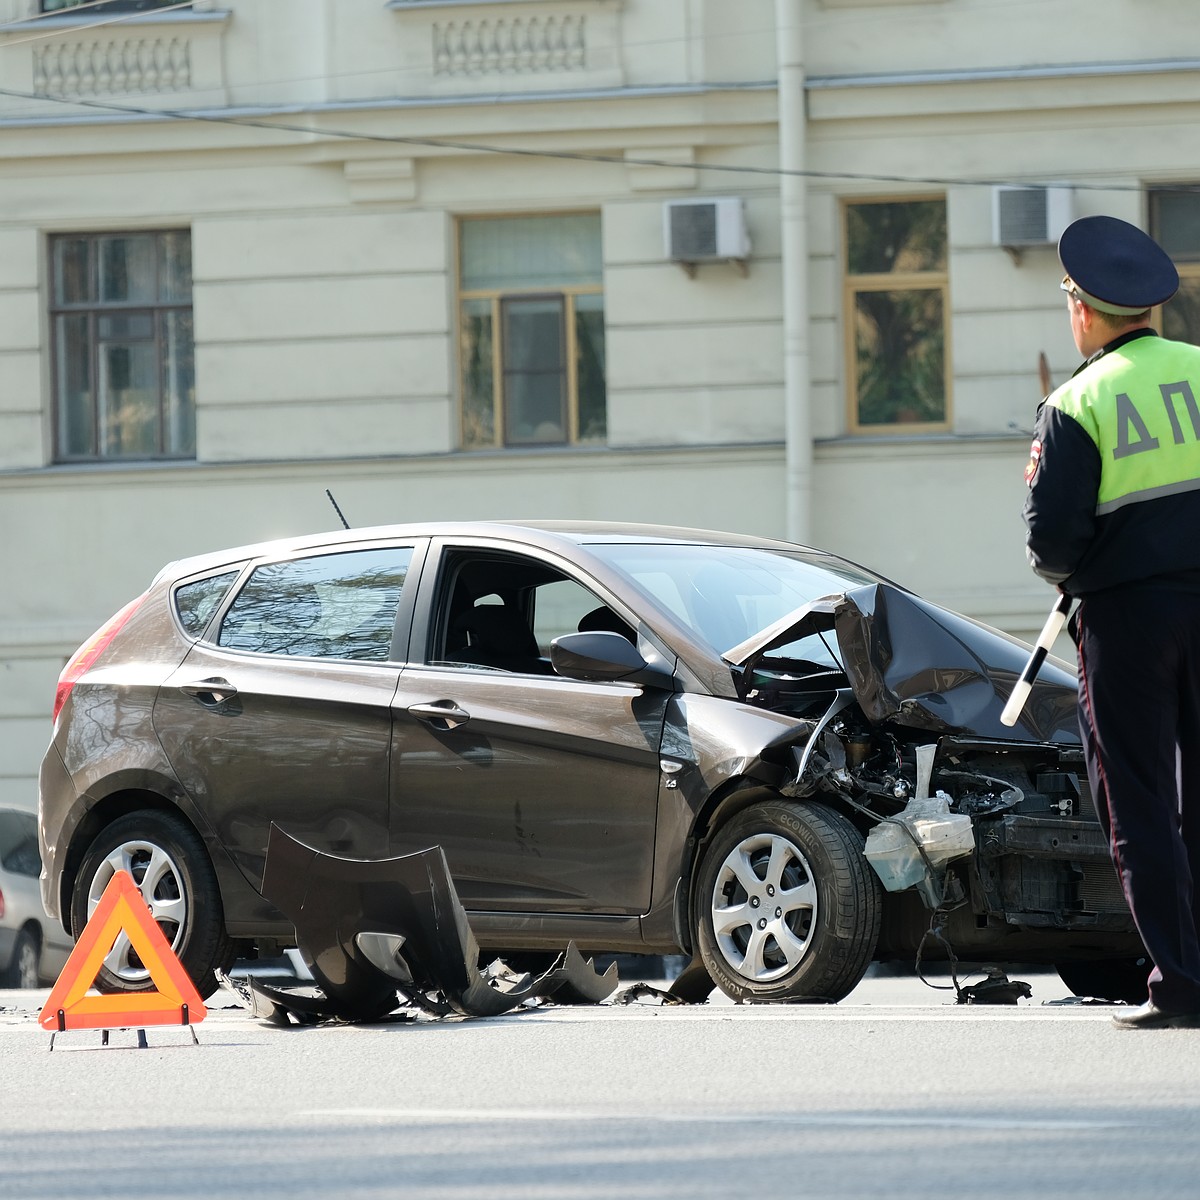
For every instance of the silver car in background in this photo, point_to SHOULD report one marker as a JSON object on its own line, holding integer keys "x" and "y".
{"x": 33, "y": 948}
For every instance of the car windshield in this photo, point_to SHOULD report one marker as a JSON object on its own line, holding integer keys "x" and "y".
{"x": 725, "y": 594}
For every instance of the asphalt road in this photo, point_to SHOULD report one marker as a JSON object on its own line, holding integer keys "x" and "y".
{"x": 895, "y": 1092}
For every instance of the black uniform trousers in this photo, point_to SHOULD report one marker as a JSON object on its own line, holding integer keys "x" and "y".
{"x": 1139, "y": 716}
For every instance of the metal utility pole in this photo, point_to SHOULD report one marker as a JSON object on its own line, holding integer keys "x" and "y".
{"x": 793, "y": 221}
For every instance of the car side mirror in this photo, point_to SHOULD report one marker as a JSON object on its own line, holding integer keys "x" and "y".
{"x": 597, "y": 656}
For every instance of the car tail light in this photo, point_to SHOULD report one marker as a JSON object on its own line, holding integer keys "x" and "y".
{"x": 1, "y": 904}
{"x": 82, "y": 659}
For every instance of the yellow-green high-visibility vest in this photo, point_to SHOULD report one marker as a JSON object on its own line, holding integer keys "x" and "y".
{"x": 1140, "y": 405}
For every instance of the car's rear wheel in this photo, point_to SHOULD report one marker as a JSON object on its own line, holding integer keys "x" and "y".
{"x": 171, "y": 869}
{"x": 22, "y": 971}
{"x": 787, "y": 908}
{"x": 1108, "y": 978}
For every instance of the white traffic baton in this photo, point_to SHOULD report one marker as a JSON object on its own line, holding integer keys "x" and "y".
{"x": 1050, "y": 631}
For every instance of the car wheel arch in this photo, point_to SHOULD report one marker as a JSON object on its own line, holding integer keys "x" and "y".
{"x": 98, "y": 817}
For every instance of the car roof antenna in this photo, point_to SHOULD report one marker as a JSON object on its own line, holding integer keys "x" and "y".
{"x": 336, "y": 509}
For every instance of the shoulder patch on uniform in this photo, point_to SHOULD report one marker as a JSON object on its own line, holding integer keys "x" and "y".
{"x": 1035, "y": 457}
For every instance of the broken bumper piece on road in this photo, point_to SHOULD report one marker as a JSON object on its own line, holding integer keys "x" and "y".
{"x": 379, "y": 934}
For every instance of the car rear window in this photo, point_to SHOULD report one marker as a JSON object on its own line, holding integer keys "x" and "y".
{"x": 196, "y": 602}
{"x": 324, "y": 606}
{"x": 18, "y": 843}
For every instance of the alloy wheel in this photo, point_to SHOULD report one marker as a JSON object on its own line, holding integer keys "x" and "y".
{"x": 158, "y": 879}
{"x": 764, "y": 907}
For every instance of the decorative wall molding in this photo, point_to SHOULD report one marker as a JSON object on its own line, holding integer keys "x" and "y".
{"x": 675, "y": 170}
{"x": 100, "y": 68}
{"x": 506, "y": 46}
{"x": 383, "y": 179}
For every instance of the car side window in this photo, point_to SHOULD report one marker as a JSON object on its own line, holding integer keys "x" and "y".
{"x": 500, "y": 612}
{"x": 324, "y": 606}
{"x": 565, "y": 606}
{"x": 18, "y": 844}
{"x": 196, "y": 602}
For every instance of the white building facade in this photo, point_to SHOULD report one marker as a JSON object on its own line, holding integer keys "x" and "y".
{"x": 729, "y": 265}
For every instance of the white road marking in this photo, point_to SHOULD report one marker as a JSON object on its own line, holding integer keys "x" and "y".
{"x": 437, "y": 1116}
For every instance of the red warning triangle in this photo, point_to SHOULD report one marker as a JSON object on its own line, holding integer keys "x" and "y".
{"x": 122, "y": 910}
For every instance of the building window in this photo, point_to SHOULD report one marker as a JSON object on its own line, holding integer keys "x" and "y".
{"x": 121, "y": 326}
{"x": 531, "y": 331}
{"x": 106, "y": 6}
{"x": 896, "y": 309}
{"x": 1175, "y": 225}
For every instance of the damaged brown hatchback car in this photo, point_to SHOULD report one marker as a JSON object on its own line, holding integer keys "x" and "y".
{"x": 638, "y": 738}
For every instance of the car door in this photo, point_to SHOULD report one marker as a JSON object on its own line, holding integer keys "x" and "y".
{"x": 541, "y": 790}
{"x": 282, "y": 712}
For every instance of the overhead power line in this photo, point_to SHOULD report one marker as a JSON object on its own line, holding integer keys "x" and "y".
{"x": 624, "y": 160}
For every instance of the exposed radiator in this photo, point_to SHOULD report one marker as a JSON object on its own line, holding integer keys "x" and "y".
{"x": 1100, "y": 889}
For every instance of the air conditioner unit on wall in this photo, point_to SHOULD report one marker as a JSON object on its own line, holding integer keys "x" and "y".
{"x": 705, "y": 230}
{"x": 1029, "y": 216}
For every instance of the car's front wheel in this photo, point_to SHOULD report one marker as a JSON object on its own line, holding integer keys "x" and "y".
{"x": 787, "y": 908}
{"x": 171, "y": 869}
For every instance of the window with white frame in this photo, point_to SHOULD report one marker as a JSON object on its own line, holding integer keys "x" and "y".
{"x": 1175, "y": 225}
{"x": 897, "y": 306}
{"x": 121, "y": 336}
{"x": 531, "y": 330}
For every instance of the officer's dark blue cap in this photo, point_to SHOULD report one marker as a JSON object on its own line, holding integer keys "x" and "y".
{"x": 1115, "y": 267}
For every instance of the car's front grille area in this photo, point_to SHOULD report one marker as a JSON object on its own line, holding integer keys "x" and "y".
{"x": 1087, "y": 803}
{"x": 1100, "y": 889}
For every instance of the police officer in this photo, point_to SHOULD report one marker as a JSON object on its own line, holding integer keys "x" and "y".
{"x": 1113, "y": 517}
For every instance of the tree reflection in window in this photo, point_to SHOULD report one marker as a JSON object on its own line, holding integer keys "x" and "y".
{"x": 325, "y": 606}
{"x": 196, "y": 602}
{"x": 896, "y": 306}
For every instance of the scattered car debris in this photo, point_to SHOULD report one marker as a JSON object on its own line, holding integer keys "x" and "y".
{"x": 997, "y": 988}
{"x": 371, "y": 931}
{"x": 641, "y": 993}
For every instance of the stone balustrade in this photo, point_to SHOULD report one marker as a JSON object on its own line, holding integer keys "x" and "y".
{"x": 510, "y": 46}
{"x": 99, "y": 68}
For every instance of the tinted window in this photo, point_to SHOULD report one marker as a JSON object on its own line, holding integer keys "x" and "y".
{"x": 560, "y": 608}
{"x": 18, "y": 843}
{"x": 327, "y": 606}
{"x": 502, "y": 613}
{"x": 196, "y": 602}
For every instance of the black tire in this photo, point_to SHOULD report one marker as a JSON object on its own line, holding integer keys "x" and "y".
{"x": 170, "y": 865}
{"x": 23, "y": 970}
{"x": 801, "y": 867}
{"x": 1108, "y": 978}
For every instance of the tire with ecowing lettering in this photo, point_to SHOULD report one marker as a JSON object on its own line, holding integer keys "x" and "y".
{"x": 787, "y": 908}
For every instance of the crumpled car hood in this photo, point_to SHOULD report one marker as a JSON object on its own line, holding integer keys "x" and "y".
{"x": 917, "y": 664}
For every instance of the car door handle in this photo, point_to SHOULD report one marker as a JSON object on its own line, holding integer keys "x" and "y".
{"x": 210, "y": 692}
{"x": 441, "y": 714}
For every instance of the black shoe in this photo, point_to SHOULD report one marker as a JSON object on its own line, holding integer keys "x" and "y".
{"x": 1149, "y": 1016}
